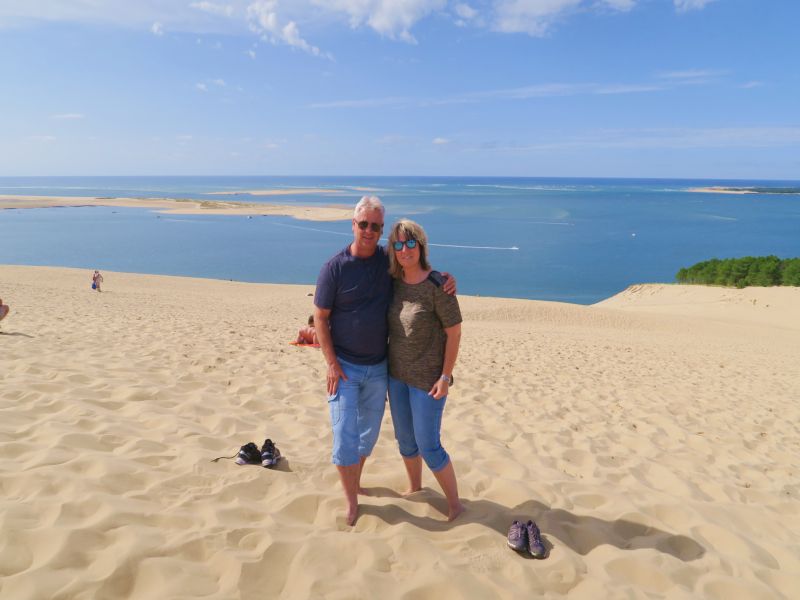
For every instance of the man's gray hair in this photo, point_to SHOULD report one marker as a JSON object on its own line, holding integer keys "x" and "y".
{"x": 369, "y": 203}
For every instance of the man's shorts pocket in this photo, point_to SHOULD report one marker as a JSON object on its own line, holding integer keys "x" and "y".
{"x": 335, "y": 407}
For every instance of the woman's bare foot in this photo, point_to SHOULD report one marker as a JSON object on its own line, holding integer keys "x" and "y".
{"x": 352, "y": 514}
{"x": 455, "y": 511}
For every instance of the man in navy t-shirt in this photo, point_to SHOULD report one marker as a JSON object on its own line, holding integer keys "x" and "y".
{"x": 354, "y": 290}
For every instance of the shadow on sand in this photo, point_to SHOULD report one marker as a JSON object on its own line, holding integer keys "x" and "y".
{"x": 580, "y": 532}
{"x": 15, "y": 333}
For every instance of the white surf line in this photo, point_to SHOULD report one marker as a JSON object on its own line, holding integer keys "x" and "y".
{"x": 311, "y": 229}
{"x": 385, "y": 240}
{"x": 475, "y": 247}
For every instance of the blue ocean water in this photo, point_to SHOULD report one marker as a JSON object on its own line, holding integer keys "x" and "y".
{"x": 573, "y": 240}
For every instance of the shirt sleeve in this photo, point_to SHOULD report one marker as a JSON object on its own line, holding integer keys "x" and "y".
{"x": 447, "y": 308}
{"x": 325, "y": 293}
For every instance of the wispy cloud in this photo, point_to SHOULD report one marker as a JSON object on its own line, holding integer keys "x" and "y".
{"x": 67, "y": 116}
{"x": 678, "y": 138}
{"x": 224, "y": 10}
{"x": 368, "y": 103}
{"x": 391, "y": 18}
{"x": 691, "y": 76}
{"x": 543, "y": 90}
{"x": 264, "y": 20}
{"x": 440, "y": 141}
{"x": 41, "y": 138}
{"x": 280, "y": 21}
{"x": 201, "y": 86}
{"x": 687, "y": 5}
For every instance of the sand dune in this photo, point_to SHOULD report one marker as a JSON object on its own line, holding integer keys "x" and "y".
{"x": 653, "y": 437}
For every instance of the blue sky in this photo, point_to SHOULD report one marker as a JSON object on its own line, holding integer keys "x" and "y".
{"x": 592, "y": 88}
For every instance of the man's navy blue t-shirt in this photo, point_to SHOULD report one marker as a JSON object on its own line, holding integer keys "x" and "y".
{"x": 358, "y": 292}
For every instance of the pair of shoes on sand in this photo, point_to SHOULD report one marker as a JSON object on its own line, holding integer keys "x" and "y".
{"x": 268, "y": 456}
{"x": 526, "y": 537}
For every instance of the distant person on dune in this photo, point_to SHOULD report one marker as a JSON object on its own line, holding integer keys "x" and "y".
{"x": 308, "y": 334}
{"x": 4, "y": 310}
{"x": 97, "y": 279}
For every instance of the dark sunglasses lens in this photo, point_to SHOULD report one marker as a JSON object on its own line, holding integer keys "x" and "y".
{"x": 374, "y": 227}
{"x": 410, "y": 244}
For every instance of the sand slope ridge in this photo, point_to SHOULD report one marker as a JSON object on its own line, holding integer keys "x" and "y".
{"x": 653, "y": 437}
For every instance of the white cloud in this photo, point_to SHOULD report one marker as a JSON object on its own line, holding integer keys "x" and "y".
{"x": 219, "y": 82}
{"x": 264, "y": 20}
{"x": 533, "y": 17}
{"x": 752, "y": 84}
{"x": 687, "y": 5}
{"x": 224, "y": 10}
{"x": 251, "y": 54}
{"x": 392, "y": 18}
{"x": 465, "y": 11}
{"x": 201, "y": 86}
{"x": 67, "y": 116}
{"x": 281, "y": 21}
{"x": 621, "y": 5}
{"x": 440, "y": 141}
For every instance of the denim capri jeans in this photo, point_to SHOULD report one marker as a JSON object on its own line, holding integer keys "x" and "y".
{"x": 417, "y": 420}
{"x": 356, "y": 411}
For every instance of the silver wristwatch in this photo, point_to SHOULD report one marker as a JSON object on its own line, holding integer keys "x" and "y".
{"x": 447, "y": 378}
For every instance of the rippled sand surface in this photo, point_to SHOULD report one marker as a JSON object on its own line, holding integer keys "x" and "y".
{"x": 654, "y": 438}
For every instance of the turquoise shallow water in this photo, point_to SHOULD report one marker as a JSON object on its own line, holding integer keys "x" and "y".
{"x": 574, "y": 240}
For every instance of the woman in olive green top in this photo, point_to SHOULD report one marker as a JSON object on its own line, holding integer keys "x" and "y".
{"x": 424, "y": 333}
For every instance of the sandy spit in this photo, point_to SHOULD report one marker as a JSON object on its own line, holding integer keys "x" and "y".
{"x": 654, "y": 438}
{"x": 183, "y": 207}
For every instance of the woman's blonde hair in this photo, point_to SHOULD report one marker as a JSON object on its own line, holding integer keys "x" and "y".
{"x": 411, "y": 231}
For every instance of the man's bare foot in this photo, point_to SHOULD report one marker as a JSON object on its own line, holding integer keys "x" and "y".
{"x": 363, "y": 491}
{"x": 454, "y": 512}
{"x": 352, "y": 515}
{"x": 411, "y": 491}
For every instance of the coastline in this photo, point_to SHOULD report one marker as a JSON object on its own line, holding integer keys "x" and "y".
{"x": 737, "y": 190}
{"x": 294, "y": 191}
{"x": 653, "y": 433}
{"x": 177, "y": 206}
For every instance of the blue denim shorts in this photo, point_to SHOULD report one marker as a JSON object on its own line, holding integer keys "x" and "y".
{"x": 417, "y": 420}
{"x": 357, "y": 411}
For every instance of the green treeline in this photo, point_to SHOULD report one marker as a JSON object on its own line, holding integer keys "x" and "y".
{"x": 741, "y": 272}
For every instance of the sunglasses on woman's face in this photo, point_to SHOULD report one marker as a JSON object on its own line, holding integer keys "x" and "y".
{"x": 375, "y": 227}
{"x": 410, "y": 244}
